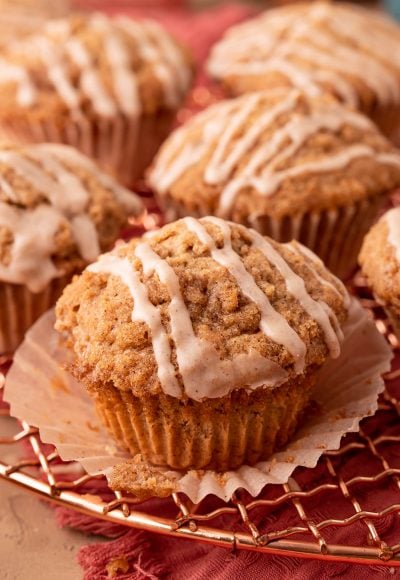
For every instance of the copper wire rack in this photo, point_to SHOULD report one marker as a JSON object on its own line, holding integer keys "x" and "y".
{"x": 245, "y": 522}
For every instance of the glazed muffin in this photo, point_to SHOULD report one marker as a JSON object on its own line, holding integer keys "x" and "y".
{"x": 109, "y": 87}
{"x": 380, "y": 264}
{"x": 200, "y": 345}
{"x": 347, "y": 50}
{"x": 289, "y": 165}
{"x": 58, "y": 212}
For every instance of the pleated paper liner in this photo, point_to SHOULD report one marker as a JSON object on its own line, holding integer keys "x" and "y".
{"x": 20, "y": 308}
{"x": 47, "y": 397}
{"x": 122, "y": 146}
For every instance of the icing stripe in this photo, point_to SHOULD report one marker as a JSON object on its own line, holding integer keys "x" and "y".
{"x": 297, "y": 288}
{"x": 299, "y": 249}
{"x": 90, "y": 82}
{"x": 230, "y": 131}
{"x": 204, "y": 374}
{"x": 313, "y": 45}
{"x": 272, "y": 324}
{"x": 222, "y": 163}
{"x": 67, "y": 154}
{"x": 144, "y": 311}
{"x": 34, "y": 229}
{"x": 58, "y": 48}
{"x": 33, "y": 242}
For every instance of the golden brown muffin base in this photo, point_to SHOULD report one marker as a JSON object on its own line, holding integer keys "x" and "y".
{"x": 20, "y": 308}
{"x": 122, "y": 146}
{"x": 219, "y": 434}
{"x": 335, "y": 235}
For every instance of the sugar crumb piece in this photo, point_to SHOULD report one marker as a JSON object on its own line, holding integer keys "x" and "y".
{"x": 117, "y": 565}
{"x": 141, "y": 479}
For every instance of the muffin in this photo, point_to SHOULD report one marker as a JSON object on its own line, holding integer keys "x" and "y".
{"x": 287, "y": 164}
{"x": 58, "y": 212}
{"x": 344, "y": 49}
{"x": 380, "y": 264}
{"x": 109, "y": 87}
{"x": 200, "y": 344}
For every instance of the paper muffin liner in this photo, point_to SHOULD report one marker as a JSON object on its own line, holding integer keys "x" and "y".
{"x": 218, "y": 434}
{"x": 335, "y": 235}
{"x": 20, "y": 308}
{"x": 42, "y": 393}
{"x": 122, "y": 146}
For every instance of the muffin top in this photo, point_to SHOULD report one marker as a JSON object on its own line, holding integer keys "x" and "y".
{"x": 274, "y": 153}
{"x": 380, "y": 257}
{"x": 58, "y": 212}
{"x": 316, "y": 46}
{"x": 94, "y": 65}
{"x": 200, "y": 308}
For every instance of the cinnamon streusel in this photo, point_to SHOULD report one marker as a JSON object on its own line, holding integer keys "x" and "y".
{"x": 290, "y": 165}
{"x": 58, "y": 212}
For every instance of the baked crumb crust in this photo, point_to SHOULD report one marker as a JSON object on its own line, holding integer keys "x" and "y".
{"x": 108, "y": 205}
{"x": 111, "y": 347}
{"x": 313, "y": 154}
{"x": 337, "y": 47}
{"x": 93, "y": 66}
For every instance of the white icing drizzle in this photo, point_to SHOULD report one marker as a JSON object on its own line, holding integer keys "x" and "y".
{"x": 150, "y": 49}
{"x": 221, "y": 164}
{"x": 33, "y": 230}
{"x": 123, "y": 79}
{"x": 297, "y": 248}
{"x": 131, "y": 203}
{"x": 33, "y": 233}
{"x": 61, "y": 53}
{"x": 57, "y": 71}
{"x": 344, "y": 41}
{"x": 90, "y": 82}
{"x": 204, "y": 374}
{"x": 231, "y": 130}
{"x": 144, "y": 311}
{"x": 26, "y": 91}
{"x": 297, "y": 288}
{"x": 392, "y": 218}
{"x": 272, "y": 323}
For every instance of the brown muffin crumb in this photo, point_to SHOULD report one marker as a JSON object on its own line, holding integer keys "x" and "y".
{"x": 313, "y": 154}
{"x": 95, "y": 311}
{"x": 322, "y": 46}
{"x": 141, "y": 479}
{"x": 53, "y": 177}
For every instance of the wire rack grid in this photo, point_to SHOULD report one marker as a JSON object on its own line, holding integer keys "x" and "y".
{"x": 245, "y": 522}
